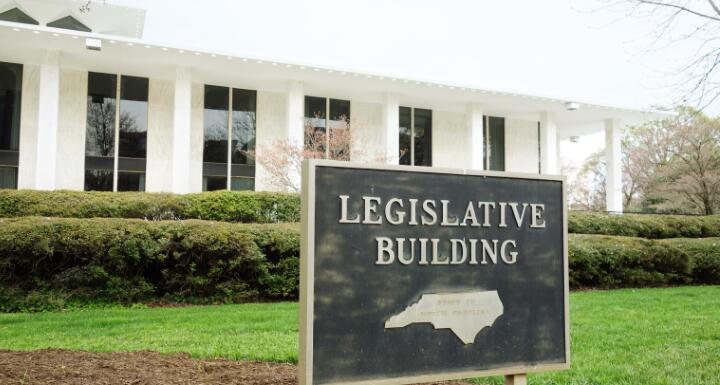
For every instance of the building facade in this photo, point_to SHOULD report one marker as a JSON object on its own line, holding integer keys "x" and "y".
{"x": 87, "y": 104}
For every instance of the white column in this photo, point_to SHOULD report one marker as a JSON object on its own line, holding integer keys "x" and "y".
{"x": 391, "y": 128}
{"x": 548, "y": 144}
{"x": 48, "y": 107}
{"x": 613, "y": 157}
{"x": 476, "y": 132}
{"x": 181, "y": 131}
{"x": 294, "y": 108}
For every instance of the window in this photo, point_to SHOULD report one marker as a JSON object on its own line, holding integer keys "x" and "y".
{"x": 415, "y": 136}
{"x": 10, "y": 97}
{"x": 15, "y": 15}
{"x": 494, "y": 143}
{"x": 229, "y": 121}
{"x": 116, "y": 136}
{"x": 336, "y": 143}
{"x": 69, "y": 22}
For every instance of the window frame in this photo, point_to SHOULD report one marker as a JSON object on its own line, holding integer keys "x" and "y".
{"x": 10, "y": 158}
{"x": 232, "y": 170}
{"x": 130, "y": 164}
{"x": 327, "y": 150}
{"x": 428, "y": 136}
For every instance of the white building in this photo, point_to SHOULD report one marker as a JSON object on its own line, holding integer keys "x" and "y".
{"x": 63, "y": 72}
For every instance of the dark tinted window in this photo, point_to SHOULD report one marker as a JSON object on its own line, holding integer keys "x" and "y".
{"x": 98, "y": 180}
{"x": 423, "y": 137}
{"x": 243, "y": 126}
{"x": 339, "y": 123}
{"x": 133, "y": 117}
{"x": 215, "y": 120}
{"x": 69, "y": 22}
{"x": 237, "y": 183}
{"x": 17, "y": 16}
{"x": 10, "y": 88}
{"x": 315, "y": 123}
{"x": 131, "y": 181}
{"x": 8, "y": 177}
{"x": 100, "y": 134}
{"x": 212, "y": 183}
{"x": 405, "y": 135}
{"x": 494, "y": 139}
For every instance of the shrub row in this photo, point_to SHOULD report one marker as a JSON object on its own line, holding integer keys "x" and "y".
{"x": 228, "y": 206}
{"x": 645, "y": 225}
{"x": 48, "y": 263}
{"x": 264, "y": 207}
{"x": 598, "y": 261}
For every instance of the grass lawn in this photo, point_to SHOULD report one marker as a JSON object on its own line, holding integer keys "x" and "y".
{"x": 648, "y": 336}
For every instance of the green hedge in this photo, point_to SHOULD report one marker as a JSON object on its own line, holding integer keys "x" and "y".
{"x": 599, "y": 261}
{"x": 48, "y": 263}
{"x": 228, "y": 206}
{"x": 645, "y": 225}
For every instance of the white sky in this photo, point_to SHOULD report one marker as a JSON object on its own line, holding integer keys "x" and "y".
{"x": 551, "y": 47}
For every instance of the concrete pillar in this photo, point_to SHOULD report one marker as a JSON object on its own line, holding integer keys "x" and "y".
{"x": 391, "y": 128}
{"x": 548, "y": 144}
{"x": 295, "y": 113}
{"x": 48, "y": 107}
{"x": 475, "y": 135}
{"x": 182, "y": 107}
{"x": 613, "y": 158}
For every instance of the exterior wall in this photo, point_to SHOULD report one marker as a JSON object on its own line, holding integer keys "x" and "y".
{"x": 521, "y": 146}
{"x": 28, "y": 126}
{"x": 450, "y": 142}
{"x": 270, "y": 128}
{"x": 159, "y": 136}
{"x": 196, "y": 138}
{"x": 368, "y": 132}
{"x": 72, "y": 122}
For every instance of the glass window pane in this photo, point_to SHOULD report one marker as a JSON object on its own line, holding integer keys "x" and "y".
{"x": 8, "y": 177}
{"x": 213, "y": 183}
{"x": 423, "y": 137}
{"x": 133, "y": 117}
{"x": 495, "y": 143}
{"x": 131, "y": 181}
{"x": 215, "y": 121}
{"x": 243, "y": 128}
{"x": 100, "y": 135}
{"x": 405, "y": 135}
{"x": 98, "y": 180}
{"x": 339, "y": 124}
{"x": 17, "y": 16}
{"x": 237, "y": 183}
{"x": 315, "y": 124}
{"x": 10, "y": 88}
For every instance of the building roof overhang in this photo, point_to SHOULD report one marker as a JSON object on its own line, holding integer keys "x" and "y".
{"x": 27, "y": 44}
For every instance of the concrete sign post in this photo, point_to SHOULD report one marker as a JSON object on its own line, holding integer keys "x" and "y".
{"x": 413, "y": 274}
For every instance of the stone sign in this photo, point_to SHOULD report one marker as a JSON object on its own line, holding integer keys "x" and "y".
{"x": 413, "y": 274}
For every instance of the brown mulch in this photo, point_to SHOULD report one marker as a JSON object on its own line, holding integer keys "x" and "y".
{"x": 63, "y": 367}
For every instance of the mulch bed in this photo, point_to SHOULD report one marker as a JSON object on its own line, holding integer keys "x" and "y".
{"x": 63, "y": 367}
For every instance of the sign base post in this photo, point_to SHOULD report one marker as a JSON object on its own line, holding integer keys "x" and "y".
{"x": 516, "y": 379}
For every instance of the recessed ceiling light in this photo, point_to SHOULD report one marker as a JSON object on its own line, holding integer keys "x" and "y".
{"x": 302, "y": 67}
{"x": 316, "y": 69}
{"x": 343, "y": 73}
{"x": 164, "y": 48}
{"x": 36, "y": 32}
{"x": 288, "y": 65}
{"x": 74, "y": 37}
{"x": 213, "y": 55}
{"x": 16, "y": 29}
{"x": 56, "y": 34}
{"x": 273, "y": 64}
{"x": 147, "y": 46}
{"x": 130, "y": 44}
{"x": 181, "y": 51}
{"x": 197, "y": 53}
{"x": 229, "y": 57}
{"x": 259, "y": 62}
{"x": 330, "y": 71}
{"x": 112, "y": 41}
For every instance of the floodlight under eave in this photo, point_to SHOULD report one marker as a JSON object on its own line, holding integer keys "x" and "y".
{"x": 572, "y": 106}
{"x": 93, "y": 44}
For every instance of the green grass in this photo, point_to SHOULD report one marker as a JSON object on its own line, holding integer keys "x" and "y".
{"x": 646, "y": 336}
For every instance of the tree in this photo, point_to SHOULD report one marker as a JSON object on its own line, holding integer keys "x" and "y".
{"x": 696, "y": 24}
{"x": 587, "y": 189}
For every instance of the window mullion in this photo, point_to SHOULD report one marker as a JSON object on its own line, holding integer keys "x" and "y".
{"x": 116, "y": 136}
{"x": 412, "y": 136}
{"x": 327, "y": 128}
{"x": 229, "y": 140}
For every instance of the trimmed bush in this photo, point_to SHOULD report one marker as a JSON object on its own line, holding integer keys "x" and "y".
{"x": 644, "y": 225}
{"x": 45, "y": 262}
{"x": 598, "y": 261}
{"x": 228, "y": 206}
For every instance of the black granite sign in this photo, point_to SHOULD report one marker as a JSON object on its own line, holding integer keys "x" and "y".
{"x": 412, "y": 274}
